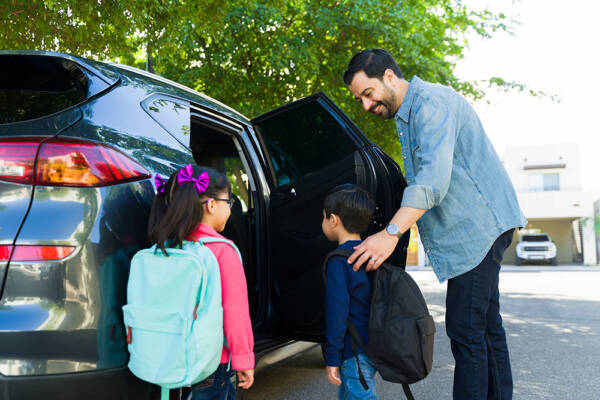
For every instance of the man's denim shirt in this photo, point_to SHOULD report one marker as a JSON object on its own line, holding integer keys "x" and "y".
{"x": 453, "y": 171}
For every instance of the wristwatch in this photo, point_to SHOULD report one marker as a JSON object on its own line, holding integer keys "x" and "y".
{"x": 393, "y": 230}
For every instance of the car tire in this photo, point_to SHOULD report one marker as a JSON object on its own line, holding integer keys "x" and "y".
{"x": 518, "y": 261}
{"x": 553, "y": 261}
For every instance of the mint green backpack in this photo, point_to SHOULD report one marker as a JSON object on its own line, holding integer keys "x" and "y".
{"x": 173, "y": 316}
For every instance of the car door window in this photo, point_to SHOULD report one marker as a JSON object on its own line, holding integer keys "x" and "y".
{"x": 172, "y": 114}
{"x": 304, "y": 140}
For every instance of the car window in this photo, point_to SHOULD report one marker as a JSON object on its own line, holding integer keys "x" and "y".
{"x": 172, "y": 114}
{"x": 35, "y": 86}
{"x": 304, "y": 140}
{"x": 234, "y": 169}
{"x": 535, "y": 238}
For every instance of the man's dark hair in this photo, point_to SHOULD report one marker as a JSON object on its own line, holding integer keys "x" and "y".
{"x": 374, "y": 62}
{"x": 352, "y": 204}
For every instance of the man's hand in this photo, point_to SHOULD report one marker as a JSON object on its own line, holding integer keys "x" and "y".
{"x": 245, "y": 378}
{"x": 333, "y": 375}
{"x": 374, "y": 250}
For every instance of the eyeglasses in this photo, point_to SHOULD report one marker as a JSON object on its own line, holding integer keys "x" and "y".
{"x": 230, "y": 201}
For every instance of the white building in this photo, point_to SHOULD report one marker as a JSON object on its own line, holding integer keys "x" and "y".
{"x": 547, "y": 181}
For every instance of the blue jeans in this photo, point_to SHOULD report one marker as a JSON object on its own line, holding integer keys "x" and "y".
{"x": 351, "y": 388}
{"x": 474, "y": 326}
{"x": 217, "y": 386}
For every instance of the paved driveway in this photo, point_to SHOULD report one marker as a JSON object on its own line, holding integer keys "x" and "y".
{"x": 552, "y": 317}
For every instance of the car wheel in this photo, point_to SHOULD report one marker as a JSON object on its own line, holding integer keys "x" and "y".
{"x": 518, "y": 261}
{"x": 553, "y": 261}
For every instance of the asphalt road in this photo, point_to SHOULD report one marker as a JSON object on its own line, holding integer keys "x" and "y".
{"x": 552, "y": 318}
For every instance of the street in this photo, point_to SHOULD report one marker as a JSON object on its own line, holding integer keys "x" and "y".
{"x": 552, "y": 319}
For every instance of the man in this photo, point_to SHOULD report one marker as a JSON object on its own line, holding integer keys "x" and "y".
{"x": 464, "y": 204}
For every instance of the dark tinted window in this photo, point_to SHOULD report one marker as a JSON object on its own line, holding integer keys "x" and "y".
{"x": 303, "y": 140}
{"x": 535, "y": 238}
{"x": 35, "y": 86}
{"x": 172, "y": 114}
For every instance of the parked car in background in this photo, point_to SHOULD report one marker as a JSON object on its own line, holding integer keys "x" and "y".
{"x": 80, "y": 144}
{"x": 537, "y": 247}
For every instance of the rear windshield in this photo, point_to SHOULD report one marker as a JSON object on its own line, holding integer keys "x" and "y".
{"x": 36, "y": 86}
{"x": 535, "y": 238}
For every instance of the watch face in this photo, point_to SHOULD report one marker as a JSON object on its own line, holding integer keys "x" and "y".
{"x": 392, "y": 229}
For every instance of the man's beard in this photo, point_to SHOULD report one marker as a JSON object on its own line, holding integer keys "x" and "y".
{"x": 388, "y": 103}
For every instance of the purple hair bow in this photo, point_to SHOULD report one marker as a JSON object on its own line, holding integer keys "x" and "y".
{"x": 160, "y": 183}
{"x": 186, "y": 174}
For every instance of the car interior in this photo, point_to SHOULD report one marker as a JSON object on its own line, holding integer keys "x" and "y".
{"x": 215, "y": 147}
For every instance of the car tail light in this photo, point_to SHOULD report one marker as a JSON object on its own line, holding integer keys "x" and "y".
{"x": 17, "y": 158}
{"x": 34, "y": 252}
{"x": 66, "y": 162}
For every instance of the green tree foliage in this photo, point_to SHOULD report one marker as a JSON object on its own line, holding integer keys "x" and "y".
{"x": 256, "y": 55}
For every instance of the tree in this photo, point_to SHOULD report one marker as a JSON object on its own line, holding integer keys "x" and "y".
{"x": 256, "y": 55}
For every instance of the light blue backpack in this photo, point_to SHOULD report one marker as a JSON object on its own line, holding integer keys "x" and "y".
{"x": 173, "y": 316}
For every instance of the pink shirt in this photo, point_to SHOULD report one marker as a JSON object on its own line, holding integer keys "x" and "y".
{"x": 234, "y": 292}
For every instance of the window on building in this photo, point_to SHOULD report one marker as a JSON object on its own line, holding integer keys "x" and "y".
{"x": 543, "y": 182}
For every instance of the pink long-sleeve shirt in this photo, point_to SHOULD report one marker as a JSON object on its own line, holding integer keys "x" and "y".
{"x": 234, "y": 296}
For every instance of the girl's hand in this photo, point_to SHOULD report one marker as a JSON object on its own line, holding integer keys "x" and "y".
{"x": 333, "y": 375}
{"x": 245, "y": 378}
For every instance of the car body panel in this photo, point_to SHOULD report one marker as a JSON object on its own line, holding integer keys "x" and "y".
{"x": 70, "y": 311}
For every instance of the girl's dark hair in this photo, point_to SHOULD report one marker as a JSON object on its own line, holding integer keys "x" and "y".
{"x": 374, "y": 62}
{"x": 179, "y": 209}
{"x": 352, "y": 204}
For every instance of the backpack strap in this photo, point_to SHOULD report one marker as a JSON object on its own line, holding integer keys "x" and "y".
{"x": 335, "y": 253}
{"x": 354, "y": 339}
{"x": 164, "y": 393}
{"x": 407, "y": 392}
{"x": 212, "y": 239}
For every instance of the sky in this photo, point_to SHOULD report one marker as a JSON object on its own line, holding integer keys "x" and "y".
{"x": 556, "y": 49}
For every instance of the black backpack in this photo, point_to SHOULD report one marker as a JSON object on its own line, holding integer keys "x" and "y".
{"x": 401, "y": 329}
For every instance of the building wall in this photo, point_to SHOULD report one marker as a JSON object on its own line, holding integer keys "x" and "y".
{"x": 523, "y": 161}
{"x": 556, "y": 204}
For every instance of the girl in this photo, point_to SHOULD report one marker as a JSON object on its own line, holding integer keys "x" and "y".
{"x": 195, "y": 202}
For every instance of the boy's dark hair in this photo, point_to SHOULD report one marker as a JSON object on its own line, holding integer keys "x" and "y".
{"x": 352, "y": 204}
{"x": 374, "y": 62}
{"x": 179, "y": 209}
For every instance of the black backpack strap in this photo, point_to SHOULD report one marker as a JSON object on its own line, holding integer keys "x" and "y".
{"x": 330, "y": 255}
{"x": 354, "y": 339}
{"x": 407, "y": 392}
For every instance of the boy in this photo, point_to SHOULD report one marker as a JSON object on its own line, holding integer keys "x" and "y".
{"x": 347, "y": 211}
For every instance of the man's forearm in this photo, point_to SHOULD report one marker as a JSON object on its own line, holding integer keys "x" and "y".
{"x": 406, "y": 217}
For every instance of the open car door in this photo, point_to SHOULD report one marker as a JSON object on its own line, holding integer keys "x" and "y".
{"x": 311, "y": 147}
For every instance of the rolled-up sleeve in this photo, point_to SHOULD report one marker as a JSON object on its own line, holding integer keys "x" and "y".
{"x": 436, "y": 130}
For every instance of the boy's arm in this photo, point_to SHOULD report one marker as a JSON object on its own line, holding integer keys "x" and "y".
{"x": 337, "y": 310}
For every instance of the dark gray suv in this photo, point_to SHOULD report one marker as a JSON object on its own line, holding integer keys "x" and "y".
{"x": 80, "y": 142}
